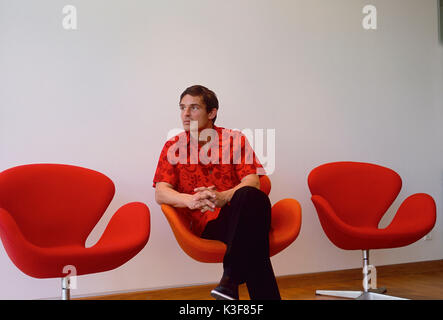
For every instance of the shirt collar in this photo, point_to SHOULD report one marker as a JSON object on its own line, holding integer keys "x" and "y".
{"x": 218, "y": 129}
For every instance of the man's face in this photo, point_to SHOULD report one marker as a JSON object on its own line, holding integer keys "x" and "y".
{"x": 194, "y": 109}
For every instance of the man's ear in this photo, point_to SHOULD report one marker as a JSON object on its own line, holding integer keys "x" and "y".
{"x": 212, "y": 114}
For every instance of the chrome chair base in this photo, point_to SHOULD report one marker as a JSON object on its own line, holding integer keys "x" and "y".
{"x": 367, "y": 293}
{"x": 373, "y": 294}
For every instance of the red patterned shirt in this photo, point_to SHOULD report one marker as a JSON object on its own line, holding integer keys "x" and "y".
{"x": 189, "y": 165}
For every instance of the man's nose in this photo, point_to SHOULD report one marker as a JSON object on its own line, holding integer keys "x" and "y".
{"x": 187, "y": 111}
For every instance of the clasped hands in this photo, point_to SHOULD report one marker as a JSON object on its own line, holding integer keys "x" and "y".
{"x": 207, "y": 198}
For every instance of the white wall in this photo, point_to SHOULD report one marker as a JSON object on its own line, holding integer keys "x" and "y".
{"x": 104, "y": 97}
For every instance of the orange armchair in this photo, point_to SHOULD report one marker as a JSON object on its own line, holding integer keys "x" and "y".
{"x": 285, "y": 227}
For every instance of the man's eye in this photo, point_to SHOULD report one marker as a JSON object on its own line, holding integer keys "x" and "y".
{"x": 194, "y": 108}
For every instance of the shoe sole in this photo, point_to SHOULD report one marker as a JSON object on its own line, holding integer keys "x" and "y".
{"x": 220, "y": 296}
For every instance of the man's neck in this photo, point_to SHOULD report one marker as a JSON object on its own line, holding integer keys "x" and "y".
{"x": 209, "y": 126}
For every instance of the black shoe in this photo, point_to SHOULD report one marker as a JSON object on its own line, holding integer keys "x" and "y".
{"x": 226, "y": 290}
{"x": 224, "y": 293}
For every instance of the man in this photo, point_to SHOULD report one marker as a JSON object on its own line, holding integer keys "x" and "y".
{"x": 221, "y": 197}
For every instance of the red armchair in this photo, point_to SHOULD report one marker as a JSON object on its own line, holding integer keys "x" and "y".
{"x": 47, "y": 212}
{"x": 351, "y": 198}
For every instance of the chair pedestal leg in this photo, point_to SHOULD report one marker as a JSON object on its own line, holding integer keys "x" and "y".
{"x": 366, "y": 294}
{"x": 66, "y": 288}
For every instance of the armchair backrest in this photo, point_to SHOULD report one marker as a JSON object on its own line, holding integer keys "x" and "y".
{"x": 360, "y": 193}
{"x": 55, "y": 204}
{"x": 265, "y": 184}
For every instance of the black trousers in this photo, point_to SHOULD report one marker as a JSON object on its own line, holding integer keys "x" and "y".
{"x": 243, "y": 226}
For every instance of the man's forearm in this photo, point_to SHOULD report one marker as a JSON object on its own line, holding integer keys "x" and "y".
{"x": 165, "y": 195}
{"x": 251, "y": 180}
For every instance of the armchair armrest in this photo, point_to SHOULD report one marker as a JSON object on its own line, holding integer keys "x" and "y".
{"x": 338, "y": 232}
{"x": 128, "y": 227}
{"x": 285, "y": 224}
{"x": 21, "y": 252}
{"x": 417, "y": 212}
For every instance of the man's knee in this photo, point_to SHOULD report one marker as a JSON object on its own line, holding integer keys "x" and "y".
{"x": 251, "y": 194}
{"x": 254, "y": 208}
{"x": 250, "y": 191}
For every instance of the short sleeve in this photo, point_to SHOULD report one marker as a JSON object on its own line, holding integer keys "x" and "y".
{"x": 165, "y": 172}
{"x": 249, "y": 162}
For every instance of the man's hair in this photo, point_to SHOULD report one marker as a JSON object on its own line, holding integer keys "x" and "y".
{"x": 208, "y": 97}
